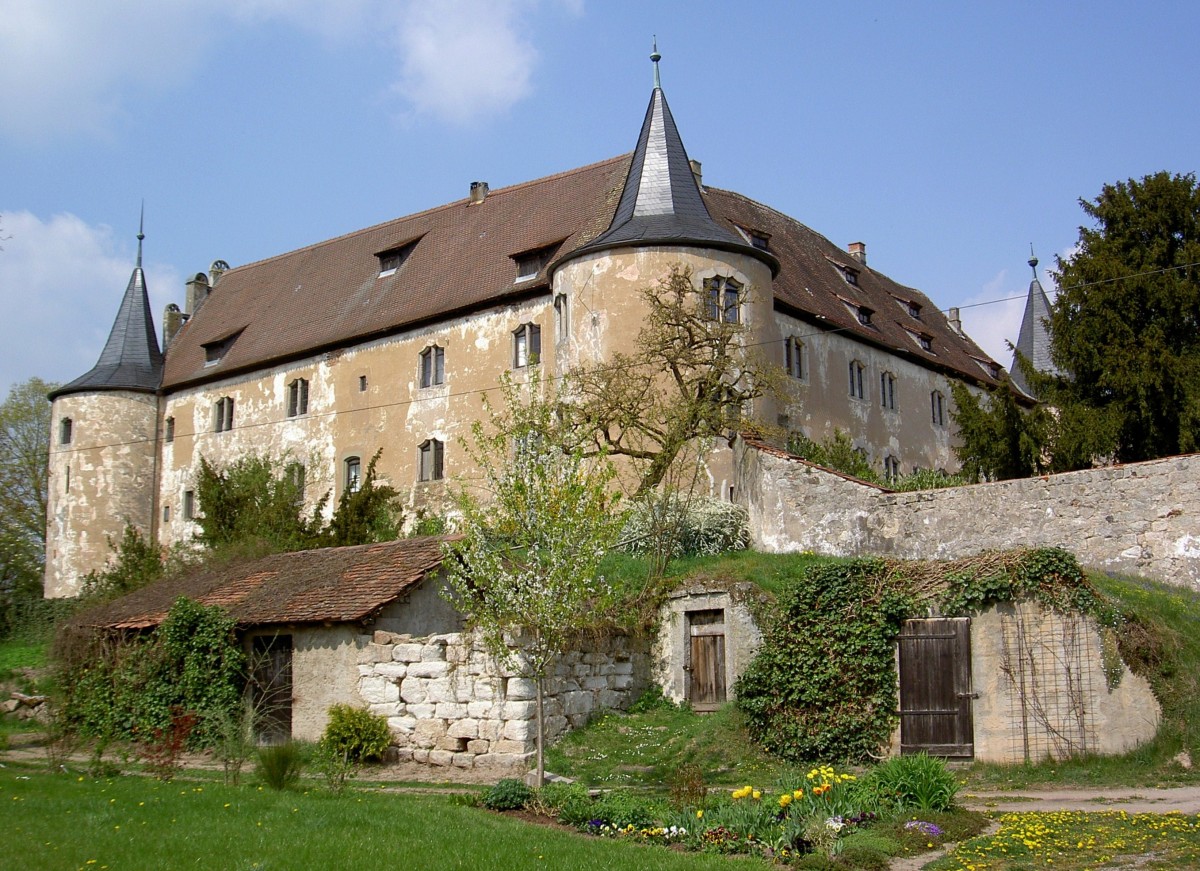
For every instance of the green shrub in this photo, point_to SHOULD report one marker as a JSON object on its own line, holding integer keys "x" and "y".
{"x": 823, "y": 683}
{"x": 355, "y": 735}
{"x": 279, "y": 766}
{"x": 675, "y": 525}
{"x": 621, "y": 809}
{"x": 919, "y": 782}
{"x": 509, "y": 794}
{"x": 651, "y": 700}
{"x": 566, "y": 802}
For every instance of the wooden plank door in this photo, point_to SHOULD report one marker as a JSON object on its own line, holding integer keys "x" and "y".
{"x": 706, "y": 659}
{"x": 935, "y": 687}
{"x": 271, "y": 687}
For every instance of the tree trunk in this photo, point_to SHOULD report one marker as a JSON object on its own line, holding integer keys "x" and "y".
{"x": 540, "y": 777}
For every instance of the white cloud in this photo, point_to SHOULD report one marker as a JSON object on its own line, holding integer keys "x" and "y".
{"x": 73, "y": 66}
{"x": 992, "y": 317}
{"x": 462, "y": 60}
{"x": 65, "y": 279}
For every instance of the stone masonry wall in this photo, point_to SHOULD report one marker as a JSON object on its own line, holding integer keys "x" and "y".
{"x": 449, "y": 703}
{"x": 1140, "y": 518}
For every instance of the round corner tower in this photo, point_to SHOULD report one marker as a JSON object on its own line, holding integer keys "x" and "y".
{"x": 103, "y": 447}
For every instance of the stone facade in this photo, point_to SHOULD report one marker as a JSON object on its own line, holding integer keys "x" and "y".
{"x": 1042, "y": 692}
{"x": 450, "y": 704}
{"x": 1139, "y": 518}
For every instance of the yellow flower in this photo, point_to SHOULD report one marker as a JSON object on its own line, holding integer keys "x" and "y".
{"x": 799, "y": 793}
{"x": 699, "y": 814}
{"x": 785, "y": 799}
{"x": 757, "y": 794}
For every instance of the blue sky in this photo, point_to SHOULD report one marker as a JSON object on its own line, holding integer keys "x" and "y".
{"x": 946, "y": 136}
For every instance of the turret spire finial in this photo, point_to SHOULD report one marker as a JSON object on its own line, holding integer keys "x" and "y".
{"x": 1033, "y": 261}
{"x": 655, "y": 57}
{"x": 141, "y": 232}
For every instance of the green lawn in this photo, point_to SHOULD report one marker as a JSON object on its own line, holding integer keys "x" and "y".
{"x": 67, "y": 822}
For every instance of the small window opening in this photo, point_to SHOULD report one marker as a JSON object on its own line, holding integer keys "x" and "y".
{"x": 393, "y": 259}
{"x": 362, "y": 383}
{"x": 166, "y": 514}
{"x": 170, "y": 429}
{"x": 857, "y": 390}
{"x": 65, "y": 427}
{"x": 864, "y": 315}
{"x": 887, "y": 391}
{"x": 793, "y": 352}
{"x": 353, "y": 474}
{"x": 189, "y": 504}
{"x": 937, "y": 403}
{"x": 891, "y": 468}
{"x": 223, "y": 414}
{"x": 531, "y": 263}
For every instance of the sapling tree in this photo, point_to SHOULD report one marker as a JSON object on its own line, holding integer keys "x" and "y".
{"x": 526, "y": 569}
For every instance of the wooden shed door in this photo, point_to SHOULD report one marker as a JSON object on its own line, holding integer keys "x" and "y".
{"x": 935, "y": 687}
{"x": 271, "y": 687}
{"x": 706, "y": 664}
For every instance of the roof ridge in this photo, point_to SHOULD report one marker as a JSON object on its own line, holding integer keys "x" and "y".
{"x": 314, "y": 246}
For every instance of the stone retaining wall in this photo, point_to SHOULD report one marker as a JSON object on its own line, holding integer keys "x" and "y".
{"x": 449, "y": 703}
{"x": 1139, "y": 518}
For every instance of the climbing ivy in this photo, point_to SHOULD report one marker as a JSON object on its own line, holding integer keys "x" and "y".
{"x": 823, "y": 684}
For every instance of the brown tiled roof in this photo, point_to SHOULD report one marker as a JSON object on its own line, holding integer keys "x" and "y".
{"x": 331, "y": 585}
{"x": 330, "y": 295}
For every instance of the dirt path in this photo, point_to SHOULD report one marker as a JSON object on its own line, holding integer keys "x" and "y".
{"x": 1184, "y": 799}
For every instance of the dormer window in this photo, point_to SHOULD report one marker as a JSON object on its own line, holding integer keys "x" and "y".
{"x": 531, "y": 263}
{"x": 914, "y": 309}
{"x": 757, "y": 238}
{"x": 864, "y": 315}
{"x": 214, "y": 352}
{"x": 851, "y": 275}
{"x": 393, "y": 259}
{"x": 926, "y": 341}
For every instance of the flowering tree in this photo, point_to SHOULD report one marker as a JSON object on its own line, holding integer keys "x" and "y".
{"x": 527, "y": 564}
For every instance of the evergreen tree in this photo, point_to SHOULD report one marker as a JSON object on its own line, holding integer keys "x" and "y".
{"x": 1125, "y": 327}
{"x": 998, "y": 438}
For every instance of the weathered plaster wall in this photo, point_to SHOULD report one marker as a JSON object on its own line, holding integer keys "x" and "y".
{"x": 1139, "y": 518}
{"x": 324, "y": 672}
{"x": 449, "y": 703}
{"x": 672, "y": 646}
{"x": 101, "y": 480}
{"x": 1042, "y": 691}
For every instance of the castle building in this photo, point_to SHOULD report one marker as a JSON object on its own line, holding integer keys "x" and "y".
{"x": 385, "y": 338}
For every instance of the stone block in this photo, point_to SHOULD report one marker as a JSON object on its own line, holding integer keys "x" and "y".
{"x": 407, "y": 652}
{"x": 412, "y": 690}
{"x": 577, "y": 703}
{"x": 391, "y": 709}
{"x": 464, "y": 728}
{"x": 622, "y": 681}
{"x": 491, "y": 729}
{"x": 484, "y": 690}
{"x": 520, "y": 688}
{"x": 453, "y": 745}
{"x": 427, "y": 732}
{"x": 509, "y": 746}
{"x": 420, "y": 755}
{"x": 504, "y": 761}
{"x": 424, "y": 711}
{"x": 624, "y": 667}
{"x": 404, "y": 724}
{"x": 440, "y": 690}
{"x": 463, "y": 760}
{"x": 378, "y": 653}
{"x": 404, "y": 754}
{"x": 378, "y": 690}
{"x": 612, "y": 699}
{"x": 596, "y": 683}
{"x": 429, "y": 668}
{"x": 450, "y": 710}
{"x": 366, "y": 669}
{"x": 433, "y": 651}
{"x": 440, "y": 758}
{"x": 479, "y": 746}
{"x": 519, "y": 710}
{"x": 480, "y": 710}
{"x": 394, "y": 670}
{"x": 520, "y": 730}
{"x": 382, "y": 637}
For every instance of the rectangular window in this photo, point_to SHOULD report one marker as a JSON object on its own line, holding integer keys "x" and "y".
{"x": 432, "y": 454}
{"x": 353, "y": 474}
{"x": 362, "y": 383}
{"x": 562, "y": 320}
{"x": 166, "y": 514}
{"x": 65, "y": 431}
{"x": 433, "y": 366}
{"x": 298, "y": 397}
{"x": 857, "y": 390}
{"x": 531, "y": 263}
{"x": 189, "y": 504}
{"x": 223, "y": 414}
{"x": 170, "y": 427}
{"x": 393, "y": 259}
{"x": 527, "y": 345}
{"x": 891, "y": 468}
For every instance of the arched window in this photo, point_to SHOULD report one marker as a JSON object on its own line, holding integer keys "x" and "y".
{"x": 891, "y": 467}
{"x": 793, "y": 355}
{"x": 353, "y": 474}
{"x": 887, "y": 391}
{"x": 432, "y": 454}
{"x": 223, "y": 414}
{"x": 433, "y": 366}
{"x": 170, "y": 429}
{"x": 65, "y": 431}
{"x": 857, "y": 389}
{"x": 724, "y": 298}
{"x": 298, "y": 397}
{"x": 527, "y": 345}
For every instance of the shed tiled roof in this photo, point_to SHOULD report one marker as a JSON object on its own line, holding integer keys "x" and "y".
{"x": 330, "y": 585}
{"x": 331, "y": 295}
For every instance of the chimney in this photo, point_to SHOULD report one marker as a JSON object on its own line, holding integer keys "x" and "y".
{"x": 696, "y": 173}
{"x": 479, "y": 192}
{"x": 858, "y": 250}
{"x": 197, "y": 292}
{"x": 218, "y": 268}
{"x": 955, "y": 320}
{"x": 173, "y": 320}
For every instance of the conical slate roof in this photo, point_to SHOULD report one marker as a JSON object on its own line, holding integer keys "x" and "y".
{"x": 661, "y": 203}
{"x": 131, "y": 359}
{"x": 1034, "y": 340}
